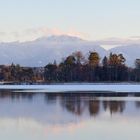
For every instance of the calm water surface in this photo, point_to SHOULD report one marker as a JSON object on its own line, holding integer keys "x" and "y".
{"x": 40, "y": 116}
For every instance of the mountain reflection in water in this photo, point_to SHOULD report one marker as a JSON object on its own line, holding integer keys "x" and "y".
{"x": 65, "y": 116}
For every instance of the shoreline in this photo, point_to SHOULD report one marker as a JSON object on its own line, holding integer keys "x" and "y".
{"x": 68, "y": 88}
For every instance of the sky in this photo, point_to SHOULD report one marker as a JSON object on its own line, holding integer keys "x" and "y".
{"x": 89, "y": 19}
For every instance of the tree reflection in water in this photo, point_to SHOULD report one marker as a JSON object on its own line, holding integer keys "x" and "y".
{"x": 94, "y": 107}
{"x": 114, "y": 106}
{"x": 76, "y": 104}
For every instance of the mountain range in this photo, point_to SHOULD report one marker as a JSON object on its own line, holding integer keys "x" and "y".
{"x": 47, "y": 49}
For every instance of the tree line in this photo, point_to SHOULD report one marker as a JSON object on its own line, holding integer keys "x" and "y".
{"x": 76, "y": 68}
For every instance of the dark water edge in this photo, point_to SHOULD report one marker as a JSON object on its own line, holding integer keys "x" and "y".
{"x": 76, "y": 93}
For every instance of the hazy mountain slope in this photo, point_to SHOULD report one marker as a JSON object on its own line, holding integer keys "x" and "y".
{"x": 131, "y": 53}
{"x": 45, "y": 50}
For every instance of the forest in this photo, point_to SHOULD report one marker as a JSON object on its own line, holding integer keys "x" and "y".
{"x": 75, "y": 68}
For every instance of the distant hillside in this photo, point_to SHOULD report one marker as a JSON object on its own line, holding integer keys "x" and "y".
{"x": 45, "y": 50}
{"x": 130, "y": 52}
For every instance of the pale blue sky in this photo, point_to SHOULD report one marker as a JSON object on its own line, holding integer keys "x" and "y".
{"x": 93, "y": 19}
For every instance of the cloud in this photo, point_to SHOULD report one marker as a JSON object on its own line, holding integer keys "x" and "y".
{"x": 2, "y": 33}
{"x": 135, "y": 37}
{"x": 44, "y": 31}
{"x": 119, "y": 41}
{"x": 34, "y": 33}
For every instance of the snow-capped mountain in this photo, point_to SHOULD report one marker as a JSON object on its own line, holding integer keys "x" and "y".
{"x": 44, "y": 50}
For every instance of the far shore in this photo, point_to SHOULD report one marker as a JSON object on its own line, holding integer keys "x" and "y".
{"x": 69, "y": 83}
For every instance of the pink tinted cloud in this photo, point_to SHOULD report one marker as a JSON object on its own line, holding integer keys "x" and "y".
{"x": 34, "y": 33}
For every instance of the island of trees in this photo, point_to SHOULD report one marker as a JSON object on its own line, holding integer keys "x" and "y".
{"x": 75, "y": 68}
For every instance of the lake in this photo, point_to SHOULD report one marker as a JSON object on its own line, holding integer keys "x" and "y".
{"x": 68, "y": 116}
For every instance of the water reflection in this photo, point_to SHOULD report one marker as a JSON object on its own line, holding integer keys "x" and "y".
{"x": 73, "y": 103}
{"x": 65, "y": 116}
{"x": 114, "y": 106}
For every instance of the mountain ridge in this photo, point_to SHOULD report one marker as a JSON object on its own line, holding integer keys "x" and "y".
{"x": 43, "y": 50}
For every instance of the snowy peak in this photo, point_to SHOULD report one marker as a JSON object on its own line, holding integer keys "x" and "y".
{"x": 60, "y": 39}
{"x": 45, "y": 50}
